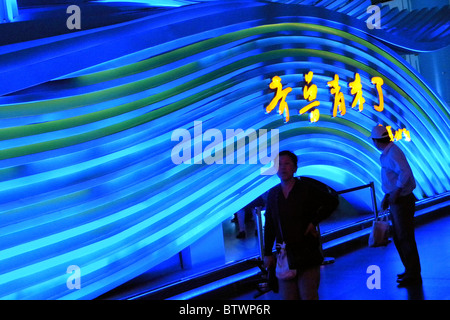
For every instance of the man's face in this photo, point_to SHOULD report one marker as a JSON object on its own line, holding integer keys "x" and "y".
{"x": 286, "y": 168}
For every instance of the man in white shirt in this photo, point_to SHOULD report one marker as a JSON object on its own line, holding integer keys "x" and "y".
{"x": 398, "y": 183}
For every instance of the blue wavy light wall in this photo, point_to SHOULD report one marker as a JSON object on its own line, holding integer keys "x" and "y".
{"x": 86, "y": 172}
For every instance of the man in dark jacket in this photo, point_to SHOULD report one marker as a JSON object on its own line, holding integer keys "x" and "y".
{"x": 294, "y": 209}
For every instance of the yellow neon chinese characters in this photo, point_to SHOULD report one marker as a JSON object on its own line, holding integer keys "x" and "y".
{"x": 357, "y": 92}
{"x": 339, "y": 102}
{"x": 310, "y": 94}
{"x": 398, "y": 135}
{"x": 378, "y": 82}
{"x": 280, "y": 96}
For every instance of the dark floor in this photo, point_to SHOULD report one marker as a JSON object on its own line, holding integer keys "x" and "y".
{"x": 346, "y": 278}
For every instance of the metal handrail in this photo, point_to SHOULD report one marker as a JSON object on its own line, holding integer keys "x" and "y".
{"x": 370, "y": 185}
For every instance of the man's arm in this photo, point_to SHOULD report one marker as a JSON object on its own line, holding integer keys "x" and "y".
{"x": 328, "y": 202}
{"x": 402, "y": 168}
{"x": 269, "y": 229}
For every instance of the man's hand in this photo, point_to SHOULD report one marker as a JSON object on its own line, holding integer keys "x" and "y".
{"x": 385, "y": 202}
{"x": 269, "y": 262}
{"x": 395, "y": 195}
{"x": 312, "y": 230}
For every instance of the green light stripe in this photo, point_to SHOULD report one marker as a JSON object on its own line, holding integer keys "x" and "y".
{"x": 16, "y": 132}
{"x": 238, "y": 35}
{"x": 111, "y": 93}
{"x": 21, "y": 131}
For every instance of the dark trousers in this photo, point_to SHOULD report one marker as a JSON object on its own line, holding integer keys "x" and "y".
{"x": 305, "y": 286}
{"x": 402, "y": 217}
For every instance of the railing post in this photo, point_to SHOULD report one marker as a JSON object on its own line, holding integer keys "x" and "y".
{"x": 8, "y": 10}
{"x": 259, "y": 228}
{"x": 374, "y": 199}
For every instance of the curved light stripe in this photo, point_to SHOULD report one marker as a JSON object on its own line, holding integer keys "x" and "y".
{"x": 29, "y": 130}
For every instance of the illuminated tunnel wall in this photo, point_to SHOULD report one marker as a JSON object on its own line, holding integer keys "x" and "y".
{"x": 87, "y": 118}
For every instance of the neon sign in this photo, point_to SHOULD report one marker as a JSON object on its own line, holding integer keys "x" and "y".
{"x": 399, "y": 134}
{"x": 356, "y": 87}
{"x": 280, "y": 94}
{"x": 310, "y": 95}
{"x": 339, "y": 102}
{"x": 378, "y": 82}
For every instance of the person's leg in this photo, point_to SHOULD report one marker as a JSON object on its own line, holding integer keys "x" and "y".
{"x": 308, "y": 283}
{"x": 404, "y": 215}
{"x": 241, "y": 224}
{"x": 288, "y": 289}
{"x": 396, "y": 232}
{"x": 410, "y": 251}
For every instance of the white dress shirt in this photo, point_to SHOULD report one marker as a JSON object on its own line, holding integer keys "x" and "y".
{"x": 395, "y": 171}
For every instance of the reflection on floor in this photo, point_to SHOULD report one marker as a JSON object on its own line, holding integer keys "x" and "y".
{"x": 346, "y": 279}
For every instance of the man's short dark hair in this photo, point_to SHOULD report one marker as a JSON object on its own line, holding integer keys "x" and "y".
{"x": 290, "y": 155}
